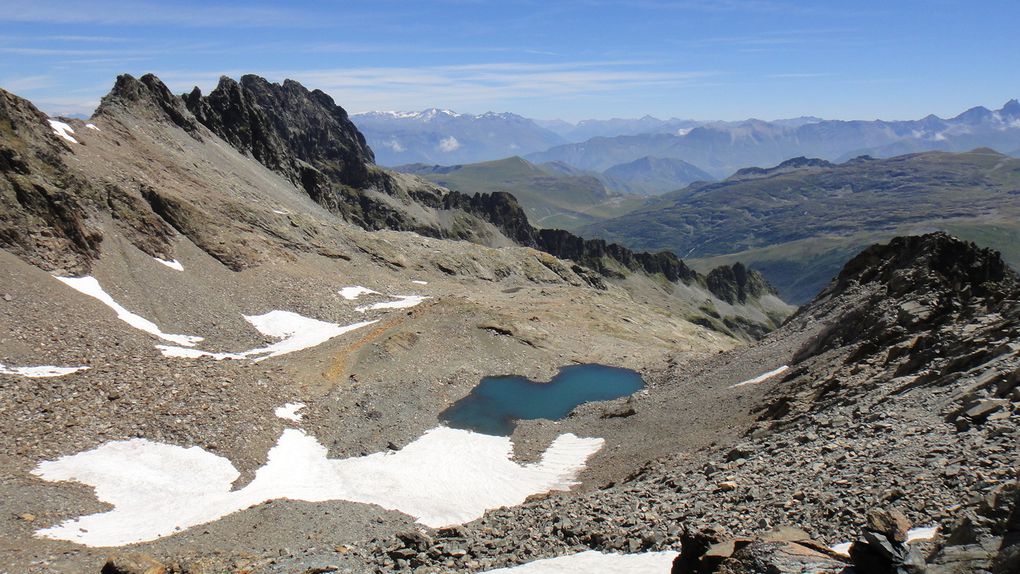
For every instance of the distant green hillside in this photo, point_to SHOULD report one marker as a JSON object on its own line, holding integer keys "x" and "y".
{"x": 551, "y": 198}
{"x": 653, "y": 175}
{"x": 799, "y": 222}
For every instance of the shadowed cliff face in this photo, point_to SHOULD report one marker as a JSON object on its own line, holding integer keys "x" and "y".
{"x": 286, "y": 128}
{"x": 47, "y": 212}
{"x": 42, "y": 217}
{"x": 736, "y": 283}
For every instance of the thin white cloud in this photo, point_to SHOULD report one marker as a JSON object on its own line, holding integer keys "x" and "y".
{"x": 128, "y": 12}
{"x": 449, "y": 144}
{"x": 800, "y": 75}
{"x": 27, "y": 51}
{"x": 26, "y": 83}
{"x": 471, "y": 87}
{"x": 93, "y": 39}
{"x": 70, "y": 107}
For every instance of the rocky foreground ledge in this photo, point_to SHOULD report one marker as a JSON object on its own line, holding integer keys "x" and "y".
{"x": 985, "y": 540}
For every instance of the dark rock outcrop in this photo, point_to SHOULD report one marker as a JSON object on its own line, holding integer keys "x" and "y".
{"x": 985, "y": 539}
{"x": 926, "y": 311}
{"x": 882, "y": 547}
{"x": 736, "y": 283}
{"x": 287, "y": 128}
{"x": 44, "y": 208}
{"x": 503, "y": 211}
{"x": 707, "y": 551}
{"x": 147, "y": 94}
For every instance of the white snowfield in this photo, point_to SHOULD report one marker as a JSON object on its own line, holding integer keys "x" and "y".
{"x": 172, "y": 264}
{"x": 295, "y": 332}
{"x": 290, "y": 412}
{"x": 914, "y": 534}
{"x": 63, "y": 130}
{"x": 352, "y": 293}
{"x": 419, "y": 282}
{"x": 592, "y": 561}
{"x": 402, "y": 302}
{"x": 93, "y": 127}
{"x": 39, "y": 372}
{"x": 762, "y": 377}
{"x": 89, "y": 286}
{"x": 447, "y": 476}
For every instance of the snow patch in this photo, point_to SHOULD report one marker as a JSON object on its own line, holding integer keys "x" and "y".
{"x": 172, "y": 264}
{"x": 842, "y": 548}
{"x": 93, "y": 127}
{"x": 418, "y": 282}
{"x": 593, "y": 561}
{"x": 402, "y": 302}
{"x": 63, "y": 130}
{"x": 88, "y": 285}
{"x": 922, "y": 533}
{"x": 352, "y": 293}
{"x": 762, "y": 377}
{"x": 447, "y": 476}
{"x": 289, "y": 412}
{"x": 279, "y": 212}
{"x": 295, "y": 332}
{"x": 39, "y": 372}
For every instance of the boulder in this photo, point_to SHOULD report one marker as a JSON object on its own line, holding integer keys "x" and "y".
{"x": 785, "y": 549}
{"x": 882, "y": 547}
{"x": 132, "y": 563}
{"x": 892, "y": 523}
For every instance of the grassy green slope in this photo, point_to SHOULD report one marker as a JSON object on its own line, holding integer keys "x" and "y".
{"x": 798, "y": 226}
{"x": 551, "y": 199}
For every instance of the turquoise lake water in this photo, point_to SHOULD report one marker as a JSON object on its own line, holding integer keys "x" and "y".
{"x": 494, "y": 406}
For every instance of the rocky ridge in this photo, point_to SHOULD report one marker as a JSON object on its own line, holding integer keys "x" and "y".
{"x": 307, "y": 139}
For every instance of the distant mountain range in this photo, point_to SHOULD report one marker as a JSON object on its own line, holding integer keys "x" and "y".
{"x": 800, "y": 221}
{"x": 587, "y": 129}
{"x": 723, "y": 148}
{"x": 444, "y": 137}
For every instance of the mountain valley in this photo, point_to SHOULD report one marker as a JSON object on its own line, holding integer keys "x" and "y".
{"x": 800, "y": 221}
{"x": 230, "y": 337}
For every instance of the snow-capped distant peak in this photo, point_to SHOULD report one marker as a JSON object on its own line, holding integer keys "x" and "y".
{"x": 437, "y": 113}
{"x": 424, "y": 115}
{"x": 498, "y": 116}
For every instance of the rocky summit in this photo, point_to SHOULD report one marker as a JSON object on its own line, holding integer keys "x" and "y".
{"x": 229, "y": 338}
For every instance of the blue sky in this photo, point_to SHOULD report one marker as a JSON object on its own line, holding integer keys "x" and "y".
{"x": 572, "y": 59}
